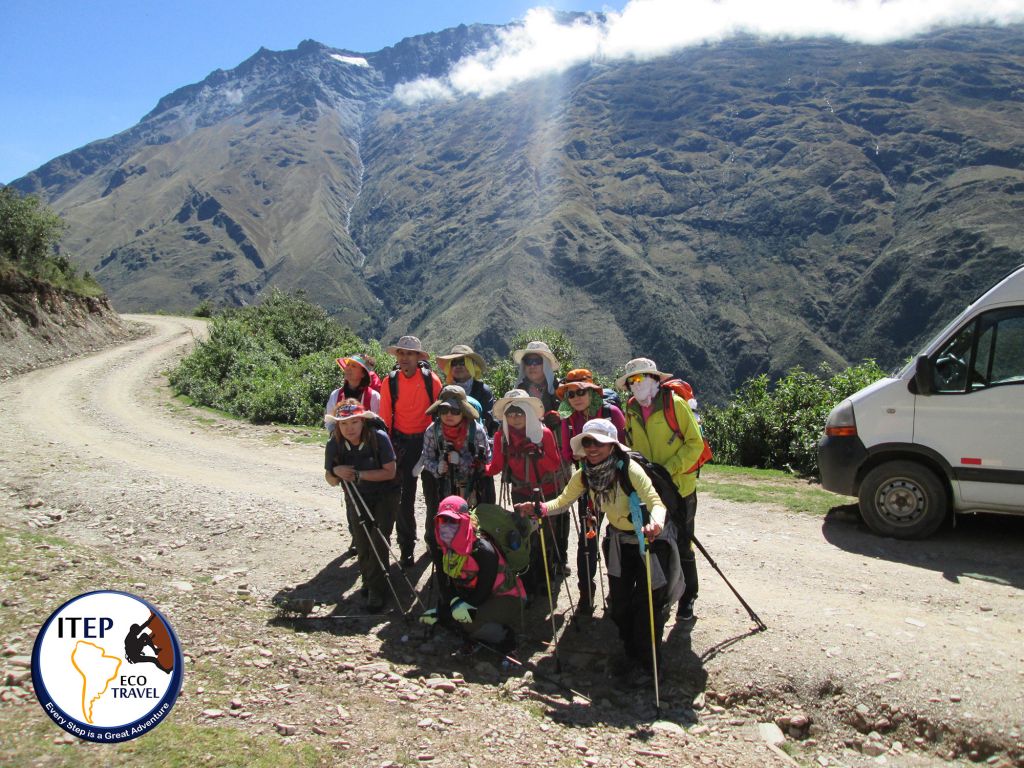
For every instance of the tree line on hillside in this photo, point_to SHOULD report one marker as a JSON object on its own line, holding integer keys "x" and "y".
{"x": 30, "y": 234}
{"x": 275, "y": 362}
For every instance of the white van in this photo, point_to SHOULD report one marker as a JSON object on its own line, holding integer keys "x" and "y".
{"x": 947, "y": 433}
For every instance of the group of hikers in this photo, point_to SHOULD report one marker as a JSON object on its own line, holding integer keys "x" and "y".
{"x": 566, "y": 457}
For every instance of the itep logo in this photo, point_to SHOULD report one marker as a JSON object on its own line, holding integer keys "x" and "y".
{"x": 107, "y": 666}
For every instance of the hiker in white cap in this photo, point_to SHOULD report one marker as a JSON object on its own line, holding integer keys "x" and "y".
{"x": 405, "y": 395}
{"x": 661, "y": 426}
{"x": 619, "y": 490}
{"x": 538, "y": 372}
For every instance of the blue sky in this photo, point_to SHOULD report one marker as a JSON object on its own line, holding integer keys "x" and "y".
{"x": 73, "y": 71}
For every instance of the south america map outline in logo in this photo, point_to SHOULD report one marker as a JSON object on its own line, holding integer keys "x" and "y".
{"x": 107, "y": 667}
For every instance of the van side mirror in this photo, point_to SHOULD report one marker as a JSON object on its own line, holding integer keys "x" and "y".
{"x": 924, "y": 376}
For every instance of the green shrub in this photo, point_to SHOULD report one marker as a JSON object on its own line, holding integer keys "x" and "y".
{"x": 779, "y": 428}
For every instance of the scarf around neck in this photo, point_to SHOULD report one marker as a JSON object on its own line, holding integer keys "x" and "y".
{"x": 600, "y": 477}
{"x": 456, "y": 435}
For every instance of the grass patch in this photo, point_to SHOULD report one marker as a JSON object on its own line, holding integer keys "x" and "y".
{"x": 767, "y": 486}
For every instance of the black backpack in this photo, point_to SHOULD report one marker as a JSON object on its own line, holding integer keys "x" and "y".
{"x": 662, "y": 482}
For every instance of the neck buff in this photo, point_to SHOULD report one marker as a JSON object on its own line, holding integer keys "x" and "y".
{"x": 600, "y": 476}
{"x": 644, "y": 391}
{"x": 456, "y": 435}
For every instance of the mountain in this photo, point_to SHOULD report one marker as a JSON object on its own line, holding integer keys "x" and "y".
{"x": 729, "y": 209}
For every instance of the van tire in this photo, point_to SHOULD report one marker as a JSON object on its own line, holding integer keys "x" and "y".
{"x": 903, "y": 499}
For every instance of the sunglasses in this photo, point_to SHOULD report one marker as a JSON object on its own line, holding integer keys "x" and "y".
{"x": 533, "y": 360}
{"x": 459, "y": 361}
{"x": 589, "y": 442}
{"x": 636, "y": 378}
{"x": 572, "y": 394}
{"x": 448, "y": 410}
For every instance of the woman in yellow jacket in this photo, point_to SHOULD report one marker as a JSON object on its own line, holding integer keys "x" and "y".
{"x": 650, "y": 433}
{"x": 604, "y": 475}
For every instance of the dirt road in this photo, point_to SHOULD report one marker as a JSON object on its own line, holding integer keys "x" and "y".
{"x": 877, "y": 650}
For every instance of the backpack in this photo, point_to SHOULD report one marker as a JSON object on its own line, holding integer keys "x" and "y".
{"x": 684, "y": 391}
{"x": 610, "y": 397}
{"x": 508, "y": 531}
{"x": 428, "y": 382}
{"x": 662, "y": 482}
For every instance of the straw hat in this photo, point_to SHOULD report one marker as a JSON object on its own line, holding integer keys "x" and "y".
{"x": 578, "y": 378}
{"x": 454, "y": 397}
{"x": 410, "y": 344}
{"x": 518, "y": 397}
{"x": 536, "y": 348}
{"x": 461, "y": 350}
{"x": 640, "y": 365}
{"x": 601, "y": 430}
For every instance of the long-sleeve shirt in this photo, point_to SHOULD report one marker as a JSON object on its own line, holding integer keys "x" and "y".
{"x": 572, "y": 425}
{"x": 648, "y": 431}
{"x": 523, "y": 481}
{"x": 616, "y": 506}
{"x": 410, "y": 412}
{"x": 472, "y": 458}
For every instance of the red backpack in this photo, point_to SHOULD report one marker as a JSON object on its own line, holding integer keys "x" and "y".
{"x": 685, "y": 391}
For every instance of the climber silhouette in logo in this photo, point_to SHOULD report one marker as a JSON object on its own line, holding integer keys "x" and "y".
{"x": 151, "y": 635}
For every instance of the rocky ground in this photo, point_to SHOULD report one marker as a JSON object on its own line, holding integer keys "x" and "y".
{"x": 877, "y": 652}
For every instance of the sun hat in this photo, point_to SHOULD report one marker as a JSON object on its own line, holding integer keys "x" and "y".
{"x": 601, "y": 430}
{"x": 454, "y": 397}
{"x": 640, "y": 365}
{"x": 348, "y": 411}
{"x": 344, "y": 362}
{"x": 577, "y": 378}
{"x": 520, "y": 398}
{"x": 536, "y": 348}
{"x": 410, "y": 344}
{"x": 461, "y": 350}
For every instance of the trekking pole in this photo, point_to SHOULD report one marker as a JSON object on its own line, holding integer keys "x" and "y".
{"x": 547, "y": 581}
{"x": 350, "y": 487}
{"x": 761, "y": 626}
{"x": 554, "y": 540}
{"x": 357, "y": 497}
{"x": 645, "y": 551}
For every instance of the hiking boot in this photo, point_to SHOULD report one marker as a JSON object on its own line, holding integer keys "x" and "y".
{"x": 685, "y": 612}
{"x": 375, "y": 601}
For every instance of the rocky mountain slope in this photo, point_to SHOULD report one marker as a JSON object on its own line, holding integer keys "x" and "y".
{"x": 728, "y": 209}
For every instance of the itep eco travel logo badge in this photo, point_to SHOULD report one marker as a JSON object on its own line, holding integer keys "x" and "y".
{"x": 107, "y": 666}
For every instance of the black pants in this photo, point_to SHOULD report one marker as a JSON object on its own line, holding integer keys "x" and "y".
{"x": 371, "y": 533}
{"x": 409, "y": 448}
{"x": 687, "y": 557}
{"x": 586, "y": 555}
{"x": 628, "y": 601}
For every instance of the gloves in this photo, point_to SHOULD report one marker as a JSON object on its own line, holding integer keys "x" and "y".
{"x": 552, "y": 420}
{"x": 462, "y": 611}
{"x": 429, "y": 617}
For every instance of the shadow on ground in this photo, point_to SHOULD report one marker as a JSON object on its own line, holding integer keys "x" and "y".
{"x": 984, "y": 547}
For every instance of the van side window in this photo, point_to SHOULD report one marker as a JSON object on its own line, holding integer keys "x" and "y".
{"x": 1000, "y": 353}
{"x": 987, "y": 351}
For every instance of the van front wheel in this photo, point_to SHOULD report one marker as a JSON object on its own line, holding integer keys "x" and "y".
{"x": 903, "y": 499}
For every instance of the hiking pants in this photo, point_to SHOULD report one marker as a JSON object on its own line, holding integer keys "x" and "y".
{"x": 586, "y": 556}
{"x": 409, "y": 448}
{"x": 495, "y": 622}
{"x": 365, "y": 538}
{"x": 687, "y": 557}
{"x": 628, "y": 607}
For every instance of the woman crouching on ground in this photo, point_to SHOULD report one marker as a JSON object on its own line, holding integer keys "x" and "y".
{"x": 602, "y": 475}
{"x": 478, "y": 589}
{"x": 360, "y": 456}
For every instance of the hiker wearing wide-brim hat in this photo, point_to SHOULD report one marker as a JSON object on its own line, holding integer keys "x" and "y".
{"x": 538, "y": 368}
{"x": 405, "y": 395}
{"x": 526, "y": 457}
{"x": 464, "y": 367}
{"x": 360, "y": 456}
{"x": 652, "y": 412}
{"x": 583, "y": 400}
{"x": 358, "y": 384}
{"x": 609, "y": 481}
{"x": 456, "y": 451}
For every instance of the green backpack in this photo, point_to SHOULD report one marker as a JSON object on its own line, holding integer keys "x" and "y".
{"x": 508, "y": 532}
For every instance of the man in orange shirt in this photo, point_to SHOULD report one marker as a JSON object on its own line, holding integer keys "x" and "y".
{"x": 405, "y": 395}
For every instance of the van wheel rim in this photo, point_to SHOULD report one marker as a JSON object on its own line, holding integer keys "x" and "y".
{"x": 901, "y": 502}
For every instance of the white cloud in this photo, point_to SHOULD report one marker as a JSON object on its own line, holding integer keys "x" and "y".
{"x": 648, "y": 28}
{"x": 356, "y": 61}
